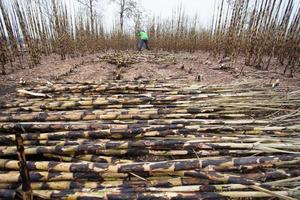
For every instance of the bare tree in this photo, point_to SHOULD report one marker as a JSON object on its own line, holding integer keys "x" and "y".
{"x": 90, "y": 4}
{"x": 127, "y": 8}
{"x": 137, "y": 20}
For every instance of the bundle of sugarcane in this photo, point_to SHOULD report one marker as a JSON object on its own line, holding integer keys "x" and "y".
{"x": 167, "y": 147}
{"x": 125, "y": 59}
{"x": 138, "y": 87}
{"x": 158, "y": 139}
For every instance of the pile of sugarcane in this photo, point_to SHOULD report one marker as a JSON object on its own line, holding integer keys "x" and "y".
{"x": 125, "y": 59}
{"x": 160, "y": 139}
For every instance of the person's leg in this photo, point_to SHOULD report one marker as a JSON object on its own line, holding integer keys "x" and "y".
{"x": 141, "y": 44}
{"x": 147, "y": 45}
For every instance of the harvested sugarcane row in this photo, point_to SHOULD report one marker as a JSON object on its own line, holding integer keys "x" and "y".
{"x": 170, "y": 80}
{"x": 130, "y": 145}
{"x": 14, "y": 176}
{"x": 88, "y": 158}
{"x": 183, "y": 153}
{"x": 76, "y": 104}
{"x": 80, "y": 184}
{"x": 245, "y": 110}
{"x": 153, "y": 105}
{"x": 68, "y": 96}
{"x": 80, "y": 93}
{"x": 150, "y": 109}
{"x": 164, "y": 155}
{"x": 105, "y": 100}
{"x": 104, "y": 87}
{"x": 211, "y": 112}
{"x": 139, "y": 86}
{"x": 239, "y": 179}
{"x": 129, "y": 89}
{"x": 166, "y": 80}
{"x": 113, "y": 180}
{"x": 154, "y": 98}
{"x": 73, "y": 194}
{"x": 108, "y": 86}
{"x": 130, "y": 93}
{"x": 167, "y": 184}
{"x": 182, "y": 134}
{"x": 80, "y": 126}
{"x": 132, "y": 187}
{"x": 164, "y": 166}
{"x": 256, "y": 98}
{"x": 175, "y": 134}
{"x": 118, "y": 114}
{"x": 137, "y": 189}
{"x": 151, "y": 115}
{"x": 99, "y": 134}
{"x": 162, "y": 94}
{"x": 191, "y": 152}
{"x": 91, "y": 147}
{"x": 242, "y": 178}
{"x": 180, "y": 101}
{"x": 127, "y": 59}
{"x": 140, "y": 189}
{"x": 79, "y": 138}
{"x": 159, "y": 178}
{"x": 123, "y": 128}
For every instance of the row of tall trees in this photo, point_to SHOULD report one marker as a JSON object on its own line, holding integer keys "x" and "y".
{"x": 258, "y": 30}
{"x": 33, "y": 28}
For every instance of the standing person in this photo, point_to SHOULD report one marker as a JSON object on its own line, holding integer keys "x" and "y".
{"x": 143, "y": 40}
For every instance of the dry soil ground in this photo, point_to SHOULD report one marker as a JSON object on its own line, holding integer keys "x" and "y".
{"x": 92, "y": 68}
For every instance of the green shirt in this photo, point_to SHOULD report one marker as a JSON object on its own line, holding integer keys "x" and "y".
{"x": 143, "y": 35}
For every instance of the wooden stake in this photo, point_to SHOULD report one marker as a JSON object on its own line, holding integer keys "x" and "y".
{"x": 26, "y": 187}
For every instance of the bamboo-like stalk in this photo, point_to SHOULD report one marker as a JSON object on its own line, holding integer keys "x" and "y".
{"x": 165, "y": 195}
{"x": 24, "y": 173}
{"x": 180, "y": 134}
{"x": 89, "y": 158}
{"x": 36, "y": 176}
{"x": 97, "y": 146}
{"x": 168, "y": 166}
{"x": 134, "y": 187}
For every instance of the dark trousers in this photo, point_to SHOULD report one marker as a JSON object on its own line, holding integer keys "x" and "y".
{"x": 143, "y": 43}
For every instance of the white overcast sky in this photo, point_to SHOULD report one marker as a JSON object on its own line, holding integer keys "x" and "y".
{"x": 164, "y": 8}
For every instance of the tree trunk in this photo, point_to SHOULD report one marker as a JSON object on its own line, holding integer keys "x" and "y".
{"x": 122, "y": 22}
{"x": 92, "y": 17}
{"x": 122, "y": 15}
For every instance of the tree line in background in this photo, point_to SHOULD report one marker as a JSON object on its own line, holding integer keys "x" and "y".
{"x": 257, "y": 30}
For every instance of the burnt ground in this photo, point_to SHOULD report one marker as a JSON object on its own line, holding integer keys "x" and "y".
{"x": 187, "y": 65}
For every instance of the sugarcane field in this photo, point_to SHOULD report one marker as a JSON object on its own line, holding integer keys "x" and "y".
{"x": 149, "y": 100}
